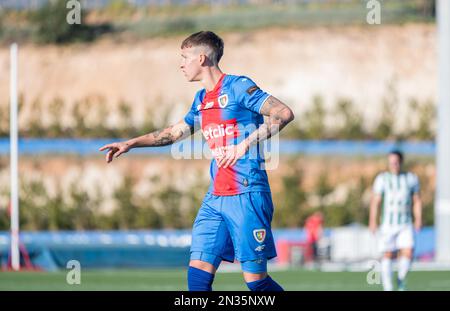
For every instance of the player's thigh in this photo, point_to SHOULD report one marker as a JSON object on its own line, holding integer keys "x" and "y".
{"x": 210, "y": 235}
{"x": 386, "y": 241}
{"x": 248, "y": 217}
{"x": 405, "y": 241}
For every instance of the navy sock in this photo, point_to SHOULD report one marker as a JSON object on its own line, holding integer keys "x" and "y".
{"x": 199, "y": 280}
{"x": 265, "y": 285}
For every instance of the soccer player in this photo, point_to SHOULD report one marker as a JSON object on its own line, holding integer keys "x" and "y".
{"x": 234, "y": 220}
{"x": 314, "y": 231}
{"x": 398, "y": 193}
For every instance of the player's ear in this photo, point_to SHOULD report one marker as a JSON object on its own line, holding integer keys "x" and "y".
{"x": 202, "y": 59}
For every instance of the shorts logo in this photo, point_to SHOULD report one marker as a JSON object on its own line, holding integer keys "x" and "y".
{"x": 223, "y": 101}
{"x": 259, "y": 235}
{"x": 260, "y": 248}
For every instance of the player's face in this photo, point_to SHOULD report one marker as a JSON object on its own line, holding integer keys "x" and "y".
{"x": 395, "y": 164}
{"x": 191, "y": 63}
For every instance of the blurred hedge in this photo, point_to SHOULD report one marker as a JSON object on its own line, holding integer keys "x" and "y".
{"x": 169, "y": 207}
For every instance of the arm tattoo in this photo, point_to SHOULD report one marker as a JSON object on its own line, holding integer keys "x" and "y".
{"x": 269, "y": 104}
{"x": 279, "y": 115}
{"x": 164, "y": 137}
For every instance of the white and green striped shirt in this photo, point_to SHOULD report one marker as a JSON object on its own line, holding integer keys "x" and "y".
{"x": 397, "y": 192}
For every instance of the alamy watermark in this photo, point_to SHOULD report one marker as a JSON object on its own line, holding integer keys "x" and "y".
{"x": 74, "y": 14}
{"x": 73, "y": 276}
{"x": 373, "y": 277}
{"x": 373, "y": 16}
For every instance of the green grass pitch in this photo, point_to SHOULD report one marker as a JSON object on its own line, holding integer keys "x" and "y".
{"x": 175, "y": 279}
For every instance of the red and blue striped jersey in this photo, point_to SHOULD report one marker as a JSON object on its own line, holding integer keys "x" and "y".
{"x": 228, "y": 114}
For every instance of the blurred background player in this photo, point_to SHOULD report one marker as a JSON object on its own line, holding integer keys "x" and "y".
{"x": 314, "y": 230}
{"x": 234, "y": 220}
{"x": 398, "y": 194}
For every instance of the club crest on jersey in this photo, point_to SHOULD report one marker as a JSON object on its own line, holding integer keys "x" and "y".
{"x": 259, "y": 235}
{"x": 223, "y": 101}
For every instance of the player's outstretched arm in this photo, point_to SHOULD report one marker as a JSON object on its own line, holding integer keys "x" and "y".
{"x": 279, "y": 115}
{"x": 417, "y": 211}
{"x": 373, "y": 213}
{"x": 163, "y": 137}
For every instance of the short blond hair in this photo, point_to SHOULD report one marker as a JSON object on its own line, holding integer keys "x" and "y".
{"x": 208, "y": 39}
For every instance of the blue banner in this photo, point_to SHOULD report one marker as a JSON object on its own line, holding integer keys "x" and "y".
{"x": 34, "y": 146}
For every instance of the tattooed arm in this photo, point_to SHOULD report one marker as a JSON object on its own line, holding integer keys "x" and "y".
{"x": 163, "y": 137}
{"x": 279, "y": 115}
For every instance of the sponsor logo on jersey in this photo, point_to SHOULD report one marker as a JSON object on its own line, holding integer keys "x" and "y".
{"x": 259, "y": 235}
{"x": 218, "y": 131}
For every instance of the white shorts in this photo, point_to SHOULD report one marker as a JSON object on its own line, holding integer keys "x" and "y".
{"x": 392, "y": 239}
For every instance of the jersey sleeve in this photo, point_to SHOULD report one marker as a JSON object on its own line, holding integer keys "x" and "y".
{"x": 192, "y": 116}
{"x": 378, "y": 186}
{"x": 248, "y": 94}
{"x": 414, "y": 183}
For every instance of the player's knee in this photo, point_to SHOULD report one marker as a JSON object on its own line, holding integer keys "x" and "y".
{"x": 205, "y": 261}
{"x": 251, "y": 277}
{"x": 388, "y": 255}
{"x": 265, "y": 284}
{"x": 407, "y": 252}
{"x": 202, "y": 268}
{"x": 254, "y": 270}
{"x": 205, "y": 266}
